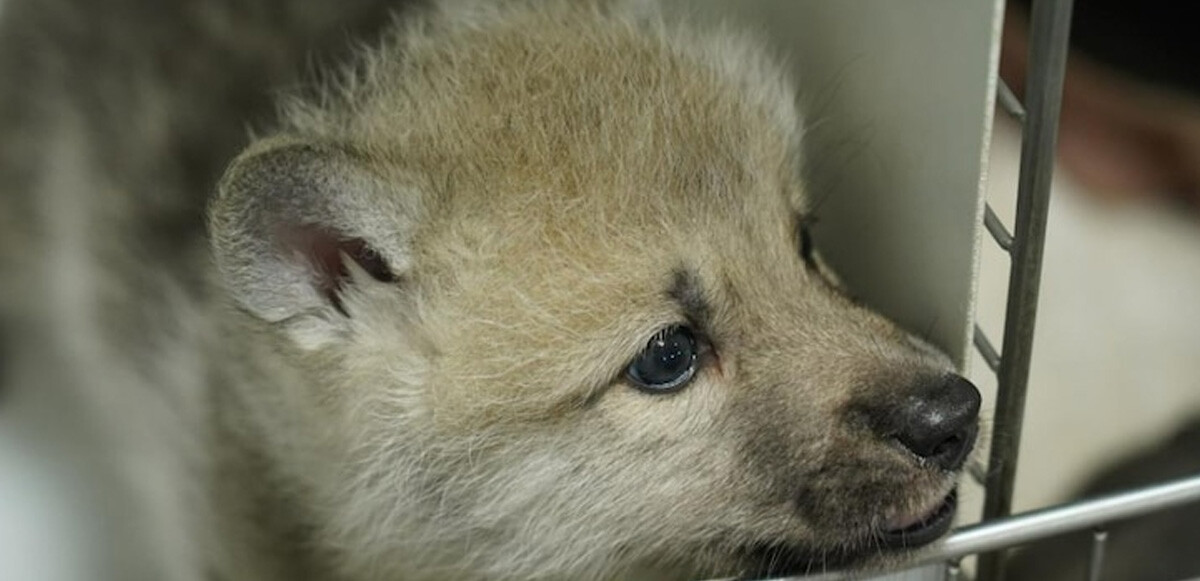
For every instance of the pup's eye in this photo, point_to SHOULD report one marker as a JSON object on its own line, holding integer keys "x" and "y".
{"x": 806, "y": 246}
{"x": 667, "y": 362}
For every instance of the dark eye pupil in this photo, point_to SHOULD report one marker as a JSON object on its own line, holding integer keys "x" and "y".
{"x": 668, "y": 361}
{"x": 806, "y": 245}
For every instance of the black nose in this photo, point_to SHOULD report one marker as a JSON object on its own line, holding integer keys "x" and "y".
{"x": 936, "y": 424}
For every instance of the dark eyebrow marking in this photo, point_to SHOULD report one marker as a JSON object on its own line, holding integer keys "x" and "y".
{"x": 689, "y": 294}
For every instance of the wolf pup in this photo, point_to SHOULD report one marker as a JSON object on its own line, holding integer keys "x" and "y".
{"x": 508, "y": 290}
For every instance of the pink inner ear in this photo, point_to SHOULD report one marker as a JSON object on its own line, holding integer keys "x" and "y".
{"x": 324, "y": 250}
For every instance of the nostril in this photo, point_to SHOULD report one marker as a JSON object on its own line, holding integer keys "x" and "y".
{"x": 951, "y": 453}
{"x": 948, "y": 453}
{"x": 949, "y": 445}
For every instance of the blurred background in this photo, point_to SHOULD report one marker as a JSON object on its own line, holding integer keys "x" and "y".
{"x": 1114, "y": 396}
{"x": 1116, "y": 364}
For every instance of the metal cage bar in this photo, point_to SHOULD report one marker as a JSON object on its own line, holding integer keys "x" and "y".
{"x": 1039, "y": 524}
{"x": 1096, "y": 557}
{"x": 1049, "y": 31}
{"x": 1049, "y": 34}
{"x": 1049, "y": 27}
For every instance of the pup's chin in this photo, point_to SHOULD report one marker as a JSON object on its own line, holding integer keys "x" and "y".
{"x": 886, "y": 547}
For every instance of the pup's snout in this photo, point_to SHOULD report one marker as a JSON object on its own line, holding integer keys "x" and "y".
{"x": 937, "y": 424}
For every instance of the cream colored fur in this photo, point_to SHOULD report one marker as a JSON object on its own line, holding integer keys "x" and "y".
{"x": 523, "y": 194}
{"x": 535, "y": 173}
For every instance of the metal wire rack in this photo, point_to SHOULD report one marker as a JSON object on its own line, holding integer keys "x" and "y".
{"x": 1049, "y": 28}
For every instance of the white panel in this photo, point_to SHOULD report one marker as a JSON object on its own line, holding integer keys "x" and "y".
{"x": 899, "y": 98}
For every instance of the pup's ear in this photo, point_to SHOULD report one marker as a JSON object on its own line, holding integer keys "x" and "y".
{"x": 297, "y": 226}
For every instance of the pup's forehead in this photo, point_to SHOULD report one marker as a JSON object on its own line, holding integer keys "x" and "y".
{"x": 592, "y": 152}
{"x": 591, "y": 104}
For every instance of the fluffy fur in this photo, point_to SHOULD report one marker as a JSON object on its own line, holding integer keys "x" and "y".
{"x": 405, "y": 357}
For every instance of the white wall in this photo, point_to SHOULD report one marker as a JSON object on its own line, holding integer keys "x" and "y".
{"x": 899, "y": 99}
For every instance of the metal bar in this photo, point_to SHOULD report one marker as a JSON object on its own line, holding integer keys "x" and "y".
{"x": 986, "y": 350}
{"x": 1096, "y": 560}
{"x": 1031, "y": 526}
{"x": 953, "y": 571}
{"x": 1047, "y": 522}
{"x": 996, "y": 228}
{"x": 1010, "y": 102}
{"x": 977, "y": 471}
{"x": 1049, "y": 28}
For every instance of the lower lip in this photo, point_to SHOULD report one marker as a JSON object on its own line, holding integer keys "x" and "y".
{"x": 781, "y": 560}
{"x": 930, "y": 529}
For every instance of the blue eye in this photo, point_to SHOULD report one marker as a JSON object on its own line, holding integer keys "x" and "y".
{"x": 667, "y": 363}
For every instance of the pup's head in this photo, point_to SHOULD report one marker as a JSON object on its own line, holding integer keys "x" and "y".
{"x": 543, "y": 283}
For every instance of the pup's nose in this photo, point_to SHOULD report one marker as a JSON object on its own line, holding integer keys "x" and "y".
{"x": 937, "y": 424}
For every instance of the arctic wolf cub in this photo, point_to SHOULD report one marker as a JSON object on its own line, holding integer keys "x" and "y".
{"x": 504, "y": 290}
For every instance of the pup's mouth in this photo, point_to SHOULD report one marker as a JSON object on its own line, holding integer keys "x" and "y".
{"x": 920, "y": 527}
{"x": 907, "y": 531}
